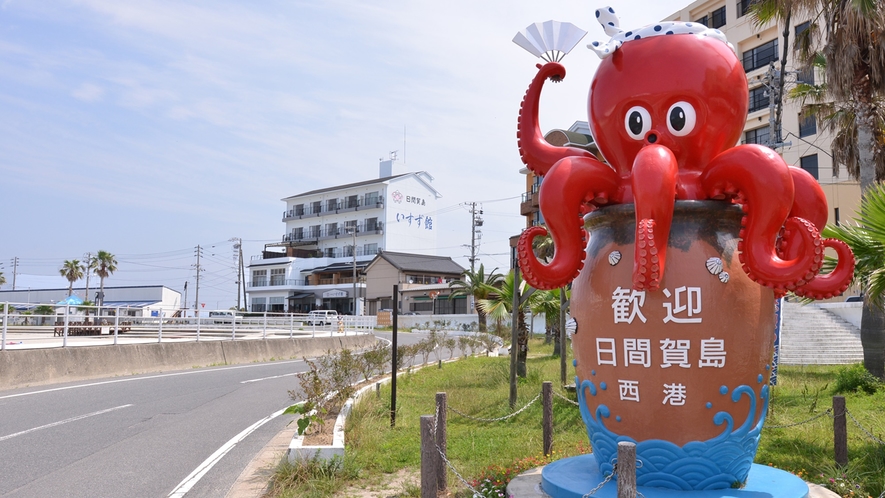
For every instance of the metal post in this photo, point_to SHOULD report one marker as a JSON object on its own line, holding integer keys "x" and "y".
{"x": 840, "y": 431}
{"x": 198, "y": 325}
{"x": 563, "y": 350}
{"x": 233, "y": 336}
{"x": 626, "y": 470}
{"x": 116, "y": 324}
{"x": 429, "y": 458}
{"x": 5, "y": 321}
{"x": 547, "y": 417}
{"x": 160, "y": 329}
{"x": 291, "y": 324}
{"x": 64, "y": 339}
{"x": 514, "y": 337}
{"x": 441, "y": 440}
{"x": 264, "y": 333}
{"x": 393, "y": 357}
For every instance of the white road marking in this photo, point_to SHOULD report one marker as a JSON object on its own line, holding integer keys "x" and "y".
{"x": 130, "y": 379}
{"x": 65, "y": 421}
{"x": 210, "y": 462}
{"x": 268, "y": 378}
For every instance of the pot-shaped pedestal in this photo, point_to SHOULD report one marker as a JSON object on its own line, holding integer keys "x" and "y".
{"x": 682, "y": 371}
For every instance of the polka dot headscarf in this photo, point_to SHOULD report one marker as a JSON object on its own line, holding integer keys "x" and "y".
{"x": 609, "y": 21}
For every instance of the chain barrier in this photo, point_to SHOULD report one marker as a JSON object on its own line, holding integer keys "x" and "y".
{"x": 505, "y": 417}
{"x": 828, "y": 411}
{"x": 868, "y": 433}
{"x": 446, "y": 460}
{"x": 603, "y": 483}
{"x": 565, "y": 398}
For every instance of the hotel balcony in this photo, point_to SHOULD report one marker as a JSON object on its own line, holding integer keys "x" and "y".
{"x": 333, "y": 206}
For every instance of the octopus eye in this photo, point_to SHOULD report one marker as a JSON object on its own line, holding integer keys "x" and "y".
{"x": 681, "y": 119}
{"x": 637, "y": 122}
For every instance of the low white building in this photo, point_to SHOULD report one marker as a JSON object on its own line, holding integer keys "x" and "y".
{"x": 140, "y": 300}
{"x": 330, "y": 232}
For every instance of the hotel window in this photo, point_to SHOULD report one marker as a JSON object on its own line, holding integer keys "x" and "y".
{"x": 299, "y": 209}
{"x": 809, "y": 164}
{"x": 371, "y": 199}
{"x": 757, "y": 136}
{"x": 331, "y": 229}
{"x": 259, "y": 278}
{"x": 314, "y": 231}
{"x": 351, "y": 201}
{"x": 278, "y": 276}
{"x": 331, "y": 205}
{"x": 760, "y": 56}
{"x": 718, "y": 18}
{"x": 759, "y": 98}
{"x": 807, "y": 124}
{"x": 258, "y": 304}
{"x": 744, "y": 7}
{"x": 329, "y": 252}
{"x": 298, "y": 233}
{"x": 370, "y": 249}
{"x": 371, "y": 224}
{"x": 316, "y": 207}
{"x": 277, "y": 304}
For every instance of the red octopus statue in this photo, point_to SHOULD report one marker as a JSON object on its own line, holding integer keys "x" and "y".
{"x": 666, "y": 113}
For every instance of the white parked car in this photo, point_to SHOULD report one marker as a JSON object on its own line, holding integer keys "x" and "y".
{"x": 322, "y": 317}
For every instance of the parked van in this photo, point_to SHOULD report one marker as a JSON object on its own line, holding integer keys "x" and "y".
{"x": 222, "y": 316}
{"x": 322, "y": 317}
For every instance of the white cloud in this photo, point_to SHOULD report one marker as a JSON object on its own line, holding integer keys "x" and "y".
{"x": 88, "y": 92}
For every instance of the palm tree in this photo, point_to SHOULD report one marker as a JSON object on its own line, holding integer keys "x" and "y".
{"x": 89, "y": 266}
{"x": 2, "y": 278}
{"x": 867, "y": 239}
{"x": 549, "y": 303}
{"x": 106, "y": 264}
{"x": 476, "y": 284}
{"x": 850, "y": 102}
{"x": 72, "y": 270}
{"x": 498, "y": 305}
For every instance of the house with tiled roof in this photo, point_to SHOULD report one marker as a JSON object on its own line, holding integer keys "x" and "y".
{"x": 422, "y": 280}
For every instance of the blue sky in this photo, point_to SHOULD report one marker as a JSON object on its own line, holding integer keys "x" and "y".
{"x": 147, "y": 127}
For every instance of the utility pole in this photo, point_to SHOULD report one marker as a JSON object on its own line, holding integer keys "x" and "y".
{"x": 14, "y": 270}
{"x": 197, "y": 292}
{"x": 353, "y": 250}
{"x": 774, "y": 81}
{"x": 475, "y": 234}
{"x": 238, "y": 256}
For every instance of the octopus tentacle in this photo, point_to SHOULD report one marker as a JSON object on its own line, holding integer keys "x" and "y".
{"x": 570, "y": 184}
{"x": 654, "y": 192}
{"x": 762, "y": 180}
{"x": 535, "y": 151}
{"x": 837, "y": 281}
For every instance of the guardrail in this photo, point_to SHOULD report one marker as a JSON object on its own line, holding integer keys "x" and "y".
{"x": 92, "y": 325}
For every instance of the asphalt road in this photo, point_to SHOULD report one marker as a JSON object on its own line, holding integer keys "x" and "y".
{"x": 143, "y": 436}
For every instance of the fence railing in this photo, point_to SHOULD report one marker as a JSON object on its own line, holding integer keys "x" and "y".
{"x": 434, "y": 445}
{"x": 52, "y": 325}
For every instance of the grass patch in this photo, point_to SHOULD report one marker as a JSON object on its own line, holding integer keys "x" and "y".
{"x": 478, "y": 386}
{"x": 807, "y": 449}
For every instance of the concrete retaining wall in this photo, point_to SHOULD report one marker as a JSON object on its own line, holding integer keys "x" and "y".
{"x": 850, "y": 312}
{"x": 34, "y": 367}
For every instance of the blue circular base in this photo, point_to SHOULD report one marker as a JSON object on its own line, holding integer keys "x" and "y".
{"x": 576, "y": 476}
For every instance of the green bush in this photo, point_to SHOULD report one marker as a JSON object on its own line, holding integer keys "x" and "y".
{"x": 854, "y": 378}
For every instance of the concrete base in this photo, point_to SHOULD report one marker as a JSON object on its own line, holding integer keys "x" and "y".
{"x": 763, "y": 481}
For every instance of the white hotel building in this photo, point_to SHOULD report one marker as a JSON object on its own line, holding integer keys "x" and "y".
{"x": 332, "y": 230}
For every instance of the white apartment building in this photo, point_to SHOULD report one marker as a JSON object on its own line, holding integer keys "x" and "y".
{"x": 805, "y": 145}
{"x": 331, "y": 231}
